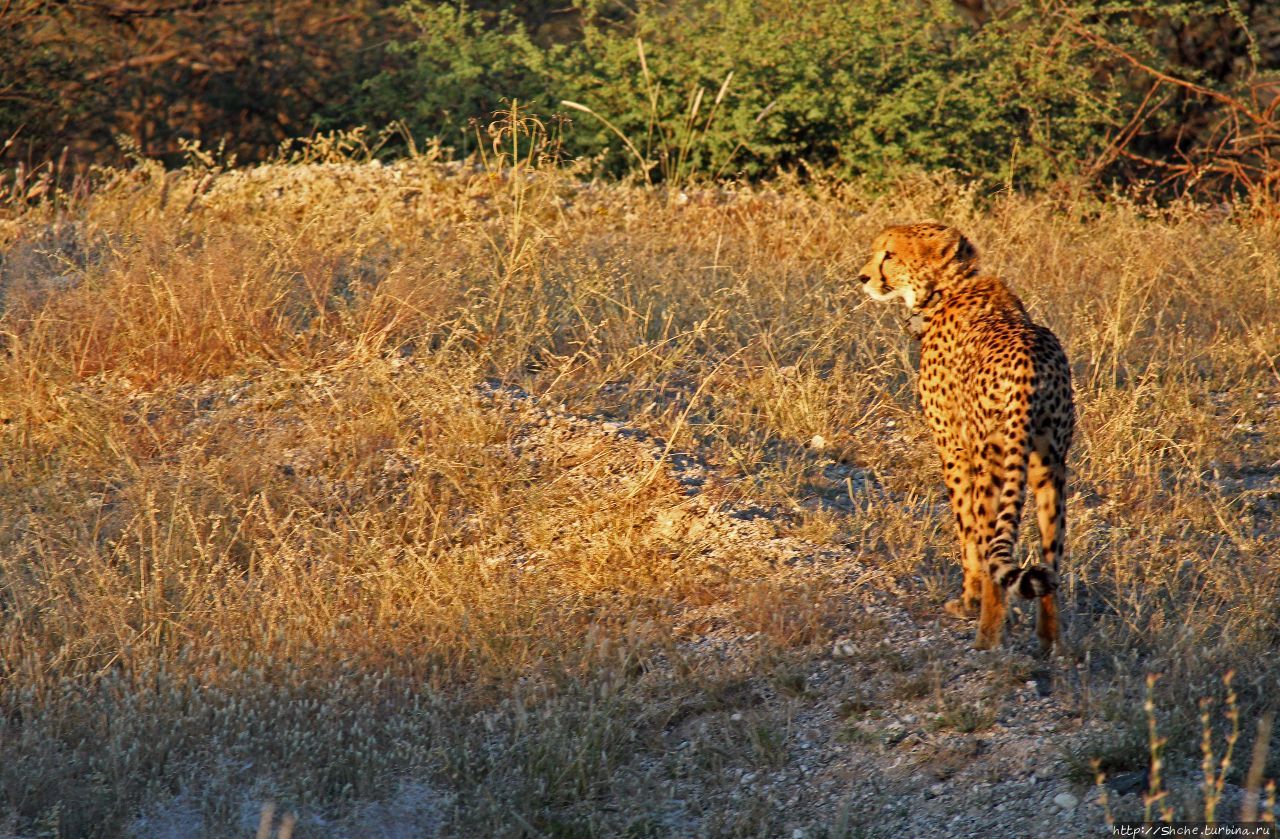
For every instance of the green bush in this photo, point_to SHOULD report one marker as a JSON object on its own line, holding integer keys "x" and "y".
{"x": 1022, "y": 92}
{"x": 865, "y": 88}
{"x": 459, "y": 66}
{"x": 1016, "y": 92}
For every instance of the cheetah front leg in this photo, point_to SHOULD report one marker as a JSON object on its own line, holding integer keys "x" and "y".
{"x": 957, "y": 472}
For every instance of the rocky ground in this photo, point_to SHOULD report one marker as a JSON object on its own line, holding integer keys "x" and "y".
{"x": 896, "y": 727}
{"x": 899, "y": 729}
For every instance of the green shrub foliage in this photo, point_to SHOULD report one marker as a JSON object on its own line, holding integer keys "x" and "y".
{"x": 1024, "y": 93}
{"x": 1011, "y": 93}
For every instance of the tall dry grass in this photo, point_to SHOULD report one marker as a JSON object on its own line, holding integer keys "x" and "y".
{"x": 260, "y": 538}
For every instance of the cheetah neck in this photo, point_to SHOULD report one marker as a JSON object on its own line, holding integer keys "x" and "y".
{"x": 946, "y": 285}
{"x": 969, "y": 294}
{"x": 918, "y": 320}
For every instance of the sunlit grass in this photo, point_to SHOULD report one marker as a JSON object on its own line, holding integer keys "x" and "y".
{"x": 261, "y": 534}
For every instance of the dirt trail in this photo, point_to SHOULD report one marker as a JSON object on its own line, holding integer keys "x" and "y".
{"x": 894, "y": 727}
{"x": 898, "y": 729}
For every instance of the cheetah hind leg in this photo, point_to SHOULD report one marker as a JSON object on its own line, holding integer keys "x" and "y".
{"x": 1047, "y": 629}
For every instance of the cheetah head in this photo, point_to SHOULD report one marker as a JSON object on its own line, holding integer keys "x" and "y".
{"x": 913, "y": 261}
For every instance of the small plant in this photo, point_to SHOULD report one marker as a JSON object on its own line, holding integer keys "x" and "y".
{"x": 966, "y": 717}
{"x": 789, "y": 677}
{"x": 769, "y": 741}
{"x": 1214, "y": 765}
{"x": 915, "y": 685}
{"x": 1215, "y": 768}
{"x": 854, "y": 707}
{"x": 1118, "y": 751}
{"x": 856, "y": 733}
{"x": 520, "y": 156}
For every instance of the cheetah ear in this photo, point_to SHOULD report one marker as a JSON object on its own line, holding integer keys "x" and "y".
{"x": 958, "y": 249}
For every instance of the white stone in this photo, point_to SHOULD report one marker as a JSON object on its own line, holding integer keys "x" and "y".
{"x": 1066, "y": 801}
{"x": 843, "y": 648}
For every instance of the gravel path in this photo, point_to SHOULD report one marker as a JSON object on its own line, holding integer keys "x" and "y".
{"x": 898, "y": 730}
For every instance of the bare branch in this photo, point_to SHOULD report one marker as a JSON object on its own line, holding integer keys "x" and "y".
{"x": 130, "y": 63}
{"x": 1230, "y": 101}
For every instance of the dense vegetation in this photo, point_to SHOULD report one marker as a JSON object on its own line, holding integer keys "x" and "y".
{"x": 1031, "y": 93}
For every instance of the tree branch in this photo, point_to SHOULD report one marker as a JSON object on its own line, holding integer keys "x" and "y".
{"x": 130, "y": 63}
{"x": 1230, "y": 101}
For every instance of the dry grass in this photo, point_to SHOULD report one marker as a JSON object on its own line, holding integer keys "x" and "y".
{"x": 261, "y": 538}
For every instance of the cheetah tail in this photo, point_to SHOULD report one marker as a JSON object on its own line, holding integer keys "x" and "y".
{"x": 1034, "y": 580}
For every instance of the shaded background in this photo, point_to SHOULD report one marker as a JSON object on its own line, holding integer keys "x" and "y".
{"x": 1023, "y": 93}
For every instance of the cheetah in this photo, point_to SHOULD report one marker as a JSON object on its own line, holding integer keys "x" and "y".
{"x": 996, "y": 392}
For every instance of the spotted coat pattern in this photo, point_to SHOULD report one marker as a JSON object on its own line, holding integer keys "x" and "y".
{"x": 996, "y": 391}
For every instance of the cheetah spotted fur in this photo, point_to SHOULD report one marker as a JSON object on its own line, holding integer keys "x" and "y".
{"x": 996, "y": 392}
